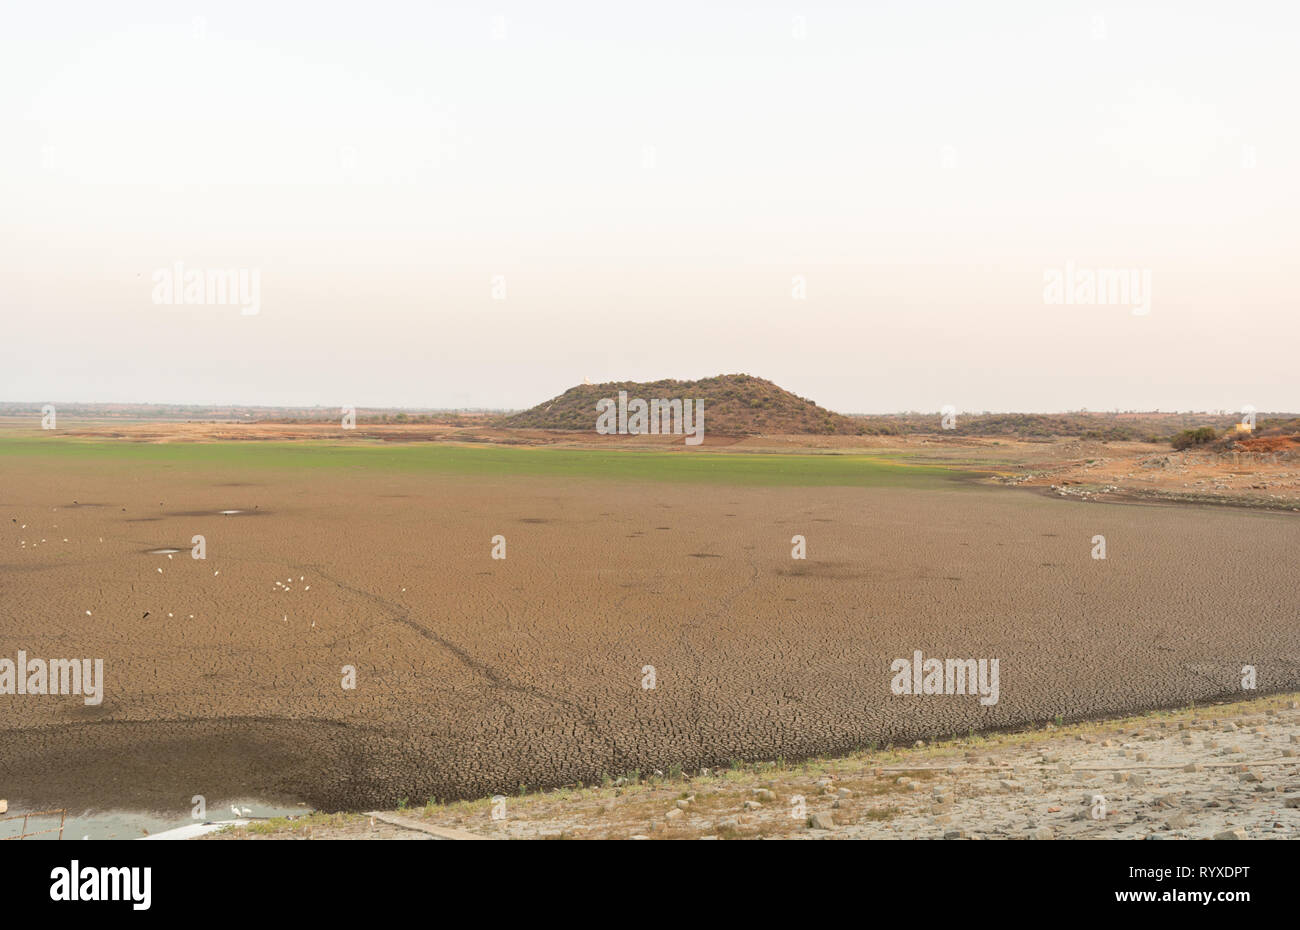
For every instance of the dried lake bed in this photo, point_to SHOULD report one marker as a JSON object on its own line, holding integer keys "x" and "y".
{"x": 227, "y": 676}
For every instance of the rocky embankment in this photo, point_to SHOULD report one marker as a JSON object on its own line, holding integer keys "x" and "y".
{"x": 1263, "y": 480}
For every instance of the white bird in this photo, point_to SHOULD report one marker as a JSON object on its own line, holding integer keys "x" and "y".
{"x": 247, "y": 811}
{"x": 234, "y": 810}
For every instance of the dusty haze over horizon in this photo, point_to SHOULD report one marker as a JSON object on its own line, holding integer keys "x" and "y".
{"x": 650, "y": 192}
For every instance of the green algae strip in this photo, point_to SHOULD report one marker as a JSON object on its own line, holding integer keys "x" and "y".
{"x": 817, "y": 470}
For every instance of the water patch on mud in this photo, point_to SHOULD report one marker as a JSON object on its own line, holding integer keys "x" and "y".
{"x": 225, "y": 512}
{"x": 134, "y": 825}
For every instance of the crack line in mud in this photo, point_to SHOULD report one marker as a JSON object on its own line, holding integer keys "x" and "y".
{"x": 492, "y": 675}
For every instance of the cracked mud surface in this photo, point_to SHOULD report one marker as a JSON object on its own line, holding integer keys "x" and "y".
{"x": 1227, "y": 771}
{"x": 476, "y": 675}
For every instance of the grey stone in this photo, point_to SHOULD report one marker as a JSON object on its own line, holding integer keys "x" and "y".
{"x": 821, "y": 821}
{"x": 1237, "y": 834}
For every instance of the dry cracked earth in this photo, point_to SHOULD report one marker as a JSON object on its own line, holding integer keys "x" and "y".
{"x": 224, "y": 676}
{"x": 1226, "y": 772}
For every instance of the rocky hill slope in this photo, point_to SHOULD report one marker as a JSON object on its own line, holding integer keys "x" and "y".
{"x": 738, "y": 404}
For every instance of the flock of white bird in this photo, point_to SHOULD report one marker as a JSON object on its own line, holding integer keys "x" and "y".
{"x": 239, "y": 812}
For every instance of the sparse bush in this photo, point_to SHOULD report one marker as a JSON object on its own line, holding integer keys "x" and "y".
{"x": 1194, "y": 437}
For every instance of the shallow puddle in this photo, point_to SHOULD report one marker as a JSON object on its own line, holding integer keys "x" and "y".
{"x": 230, "y": 512}
{"x": 134, "y": 825}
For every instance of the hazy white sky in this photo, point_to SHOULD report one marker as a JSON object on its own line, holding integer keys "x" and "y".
{"x": 650, "y": 182}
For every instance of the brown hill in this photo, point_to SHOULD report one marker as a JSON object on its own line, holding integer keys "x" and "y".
{"x": 732, "y": 404}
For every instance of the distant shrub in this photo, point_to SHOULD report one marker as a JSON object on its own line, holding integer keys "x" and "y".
{"x": 1194, "y": 437}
